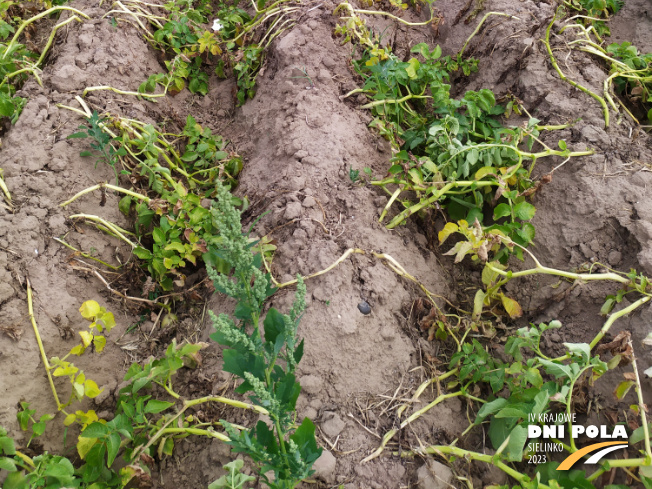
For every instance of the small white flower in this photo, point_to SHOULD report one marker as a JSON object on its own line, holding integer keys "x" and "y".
{"x": 217, "y": 25}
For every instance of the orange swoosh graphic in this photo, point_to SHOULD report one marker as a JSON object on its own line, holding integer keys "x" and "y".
{"x": 571, "y": 459}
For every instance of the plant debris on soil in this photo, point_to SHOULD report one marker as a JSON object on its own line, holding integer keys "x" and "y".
{"x": 371, "y": 334}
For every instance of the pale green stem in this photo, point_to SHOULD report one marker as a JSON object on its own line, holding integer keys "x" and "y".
{"x": 617, "y": 315}
{"x": 553, "y": 61}
{"x": 110, "y": 187}
{"x": 642, "y": 409}
{"x": 123, "y": 92}
{"x": 416, "y": 415}
{"x": 85, "y": 255}
{"x": 22, "y": 27}
{"x": 387, "y": 14}
{"x": 118, "y": 232}
{"x": 195, "y": 431}
{"x": 44, "y": 358}
{"x": 5, "y": 189}
{"x": 466, "y": 454}
{"x": 47, "y": 46}
{"x": 393, "y": 101}
{"x": 477, "y": 29}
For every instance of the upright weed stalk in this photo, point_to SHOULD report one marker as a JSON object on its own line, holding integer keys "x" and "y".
{"x": 266, "y": 361}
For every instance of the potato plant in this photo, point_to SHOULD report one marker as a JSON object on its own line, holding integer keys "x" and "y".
{"x": 173, "y": 228}
{"x": 235, "y": 39}
{"x": 453, "y": 153}
{"x": 17, "y": 61}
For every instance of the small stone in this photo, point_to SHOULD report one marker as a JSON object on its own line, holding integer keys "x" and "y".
{"x": 292, "y": 211}
{"x": 324, "y": 76}
{"x": 333, "y": 426}
{"x": 555, "y": 337}
{"x": 311, "y": 384}
{"x": 434, "y": 475}
{"x": 387, "y": 332}
{"x": 319, "y": 294}
{"x": 328, "y": 62}
{"x": 309, "y": 202}
{"x": 309, "y": 412}
{"x": 364, "y": 308}
{"x": 325, "y": 466}
{"x": 300, "y": 235}
{"x": 615, "y": 257}
{"x": 6, "y": 291}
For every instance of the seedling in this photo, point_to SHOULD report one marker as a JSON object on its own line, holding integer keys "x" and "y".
{"x": 354, "y": 175}
{"x": 305, "y": 76}
{"x": 234, "y": 479}
{"x": 101, "y": 143}
{"x": 27, "y": 421}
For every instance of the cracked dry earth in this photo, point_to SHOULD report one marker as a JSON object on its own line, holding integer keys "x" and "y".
{"x": 299, "y": 141}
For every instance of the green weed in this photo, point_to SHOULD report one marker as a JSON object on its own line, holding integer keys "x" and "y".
{"x": 101, "y": 143}
{"x": 265, "y": 361}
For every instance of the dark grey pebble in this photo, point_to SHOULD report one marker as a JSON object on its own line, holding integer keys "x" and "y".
{"x": 364, "y": 308}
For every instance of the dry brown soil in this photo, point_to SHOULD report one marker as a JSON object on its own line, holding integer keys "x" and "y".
{"x": 299, "y": 142}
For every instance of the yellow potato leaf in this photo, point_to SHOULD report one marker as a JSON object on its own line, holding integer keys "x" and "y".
{"x": 99, "y": 342}
{"x": 84, "y": 446}
{"x": 623, "y": 388}
{"x": 70, "y": 419}
{"x": 87, "y": 338}
{"x": 77, "y": 350}
{"x": 89, "y": 309}
{"x": 108, "y": 320}
{"x": 512, "y": 307}
{"x": 484, "y": 171}
{"x": 478, "y": 304}
{"x": 449, "y": 229}
{"x": 91, "y": 389}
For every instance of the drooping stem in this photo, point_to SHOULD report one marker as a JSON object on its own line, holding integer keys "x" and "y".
{"x": 615, "y": 316}
{"x": 135, "y": 195}
{"x": 347, "y": 6}
{"x": 123, "y": 92}
{"x": 230, "y": 402}
{"x": 416, "y": 415}
{"x": 47, "y": 46}
{"x": 44, "y": 358}
{"x": 477, "y": 29}
{"x": 109, "y": 227}
{"x": 553, "y": 61}
{"x": 642, "y": 409}
{"x": 466, "y": 454}
{"x": 5, "y": 190}
{"x": 22, "y": 27}
{"x": 540, "y": 269}
{"x": 194, "y": 431}
{"x": 84, "y": 254}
